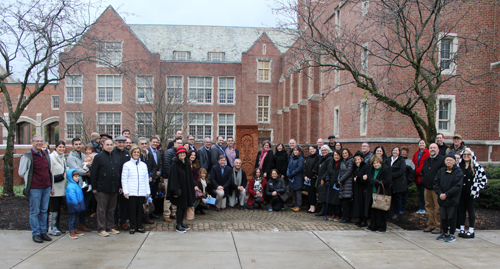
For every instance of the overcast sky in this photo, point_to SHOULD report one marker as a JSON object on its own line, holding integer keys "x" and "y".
{"x": 253, "y": 13}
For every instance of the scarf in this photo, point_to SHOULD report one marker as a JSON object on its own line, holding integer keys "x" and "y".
{"x": 263, "y": 155}
{"x": 203, "y": 184}
{"x": 237, "y": 177}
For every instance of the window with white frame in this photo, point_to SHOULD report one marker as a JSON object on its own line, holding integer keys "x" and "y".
{"x": 263, "y": 108}
{"x": 363, "y": 117}
{"x": 364, "y": 59}
{"x": 216, "y": 56}
{"x": 73, "y": 89}
{"x": 174, "y": 121}
{"x": 448, "y": 46}
{"x": 364, "y": 7}
{"x": 336, "y": 121}
{"x": 200, "y": 90}
{"x": 144, "y": 124}
{"x": 200, "y": 125}
{"x": 109, "y": 53}
{"x": 226, "y": 90}
{"x": 226, "y": 125}
{"x": 182, "y": 55}
{"x": 174, "y": 89}
{"x": 445, "y": 118}
{"x": 74, "y": 124}
{"x": 264, "y": 70}
{"x": 145, "y": 89}
{"x": 109, "y": 122}
{"x": 109, "y": 89}
{"x": 55, "y": 102}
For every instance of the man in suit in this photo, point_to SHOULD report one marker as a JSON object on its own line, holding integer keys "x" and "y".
{"x": 217, "y": 150}
{"x": 231, "y": 151}
{"x": 150, "y": 158}
{"x": 221, "y": 177}
{"x": 190, "y": 141}
{"x": 204, "y": 154}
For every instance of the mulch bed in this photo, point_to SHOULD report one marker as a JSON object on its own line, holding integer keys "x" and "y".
{"x": 14, "y": 215}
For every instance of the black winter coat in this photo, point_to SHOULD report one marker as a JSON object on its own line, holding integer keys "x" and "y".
{"x": 323, "y": 167}
{"x": 449, "y": 183}
{"x": 384, "y": 176}
{"x": 429, "y": 170}
{"x": 267, "y": 166}
{"x": 180, "y": 184}
{"x": 233, "y": 186}
{"x": 331, "y": 178}
{"x": 280, "y": 162}
{"x": 360, "y": 187}
{"x": 345, "y": 178}
{"x": 398, "y": 169}
{"x": 312, "y": 167}
{"x": 277, "y": 185}
{"x": 167, "y": 162}
{"x": 106, "y": 172}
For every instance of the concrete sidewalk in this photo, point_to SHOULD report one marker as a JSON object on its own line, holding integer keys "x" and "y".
{"x": 318, "y": 249}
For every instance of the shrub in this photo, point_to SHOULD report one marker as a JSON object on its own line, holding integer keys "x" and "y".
{"x": 492, "y": 171}
{"x": 412, "y": 196}
{"x": 489, "y": 197}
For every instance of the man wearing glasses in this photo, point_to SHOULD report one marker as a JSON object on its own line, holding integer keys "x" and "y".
{"x": 190, "y": 140}
{"x": 34, "y": 167}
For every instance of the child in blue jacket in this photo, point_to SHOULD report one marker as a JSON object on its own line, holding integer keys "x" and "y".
{"x": 75, "y": 202}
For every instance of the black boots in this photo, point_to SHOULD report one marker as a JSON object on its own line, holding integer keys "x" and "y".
{"x": 323, "y": 210}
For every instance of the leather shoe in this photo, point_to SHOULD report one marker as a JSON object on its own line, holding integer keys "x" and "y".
{"x": 167, "y": 219}
{"x": 116, "y": 227}
{"x": 141, "y": 231}
{"x": 217, "y": 209}
{"x": 147, "y": 221}
{"x": 37, "y": 239}
{"x": 82, "y": 227}
{"x": 153, "y": 216}
{"x": 362, "y": 224}
{"x": 125, "y": 226}
{"x": 173, "y": 217}
{"x": 45, "y": 237}
{"x": 132, "y": 231}
{"x": 428, "y": 229}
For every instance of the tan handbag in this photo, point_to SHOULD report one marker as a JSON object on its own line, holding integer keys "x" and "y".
{"x": 381, "y": 201}
{"x": 189, "y": 214}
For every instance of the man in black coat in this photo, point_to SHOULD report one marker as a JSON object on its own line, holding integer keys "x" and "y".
{"x": 442, "y": 146}
{"x": 429, "y": 171}
{"x": 237, "y": 188}
{"x": 106, "y": 183}
{"x": 150, "y": 159}
{"x": 221, "y": 177}
{"x": 178, "y": 134}
{"x": 121, "y": 211}
{"x": 165, "y": 173}
{"x": 217, "y": 150}
{"x": 204, "y": 154}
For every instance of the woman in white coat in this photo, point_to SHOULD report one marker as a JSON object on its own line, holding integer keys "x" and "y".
{"x": 58, "y": 169}
{"x": 135, "y": 184}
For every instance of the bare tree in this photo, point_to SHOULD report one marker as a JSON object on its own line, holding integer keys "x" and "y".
{"x": 402, "y": 53}
{"x": 32, "y": 35}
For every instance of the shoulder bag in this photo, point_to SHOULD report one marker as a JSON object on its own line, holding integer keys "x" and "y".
{"x": 381, "y": 201}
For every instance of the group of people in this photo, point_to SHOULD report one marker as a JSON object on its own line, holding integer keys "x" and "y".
{"x": 182, "y": 180}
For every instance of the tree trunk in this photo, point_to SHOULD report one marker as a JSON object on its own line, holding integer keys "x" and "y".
{"x": 8, "y": 162}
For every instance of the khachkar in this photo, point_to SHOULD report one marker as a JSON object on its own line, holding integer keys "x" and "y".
{"x": 247, "y": 142}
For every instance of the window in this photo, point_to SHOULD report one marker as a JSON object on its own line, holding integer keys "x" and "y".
{"x": 200, "y": 90}
{"x": 73, "y": 89}
{"x": 74, "y": 123}
{"x": 336, "y": 83}
{"x": 109, "y": 53}
{"x": 448, "y": 46}
{"x": 174, "y": 89}
{"x": 264, "y": 70}
{"x": 226, "y": 125}
{"x": 200, "y": 125}
{"x": 109, "y": 122}
{"x": 109, "y": 89}
{"x": 364, "y": 7}
{"x": 363, "y": 117}
{"x": 144, "y": 124}
{"x": 263, "y": 106}
{"x": 226, "y": 90}
{"x": 216, "y": 56}
{"x": 182, "y": 55}
{"x": 145, "y": 89}
{"x": 364, "y": 59}
{"x": 336, "y": 121}
{"x": 55, "y": 102}
{"x": 174, "y": 122}
{"x": 445, "y": 118}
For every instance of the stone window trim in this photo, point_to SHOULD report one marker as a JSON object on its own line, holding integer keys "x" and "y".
{"x": 114, "y": 132}
{"x": 140, "y": 127}
{"x": 144, "y": 88}
{"x": 69, "y": 84}
{"x": 453, "y": 51}
{"x": 194, "y": 101}
{"x": 115, "y": 50}
{"x": 72, "y": 124}
{"x": 54, "y": 102}
{"x": 193, "y": 123}
{"x": 365, "y": 5}
{"x": 114, "y": 97}
{"x": 451, "y": 114}
{"x": 365, "y": 53}
{"x": 228, "y": 126}
{"x": 363, "y": 117}
{"x": 270, "y": 70}
{"x": 226, "y": 89}
{"x": 336, "y": 121}
{"x": 265, "y": 110}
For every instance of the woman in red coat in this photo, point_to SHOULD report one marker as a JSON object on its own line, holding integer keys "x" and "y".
{"x": 256, "y": 189}
{"x": 418, "y": 160}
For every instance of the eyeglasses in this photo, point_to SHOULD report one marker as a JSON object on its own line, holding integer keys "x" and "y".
{"x": 38, "y": 141}
{"x": 144, "y": 143}
{"x": 467, "y": 154}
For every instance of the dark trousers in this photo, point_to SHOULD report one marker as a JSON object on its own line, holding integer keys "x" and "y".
{"x": 397, "y": 202}
{"x": 121, "y": 210}
{"x": 467, "y": 203}
{"x": 346, "y": 208}
{"x": 311, "y": 193}
{"x": 448, "y": 219}
{"x": 83, "y": 214}
{"x": 421, "y": 196}
{"x": 404, "y": 200}
{"x": 180, "y": 215}
{"x": 336, "y": 210}
{"x": 378, "y": 220}
{"x": 276, "y": 203}
{"x": 55, "y": 206}
{"x": 135, "y": 211}
{"x": 106, "y": 205}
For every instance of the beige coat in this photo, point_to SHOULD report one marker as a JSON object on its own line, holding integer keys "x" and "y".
{"x": 57, "y": 166}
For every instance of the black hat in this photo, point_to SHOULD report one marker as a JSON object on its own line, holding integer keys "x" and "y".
{"x": 107, "y": 135}
{"x": 450, "y": 155}
{"x": 121, "y": 138}
{"x": 359, "y": 153}
{"x": 331, "y": 136}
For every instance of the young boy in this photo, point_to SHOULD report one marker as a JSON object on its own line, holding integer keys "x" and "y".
{"x": 75, "y": 202}
{"x": 448, "y": 186}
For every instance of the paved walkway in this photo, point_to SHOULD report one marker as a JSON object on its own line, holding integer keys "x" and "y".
{"x": 232, "y": 219}
{"x": 318, "y": 249}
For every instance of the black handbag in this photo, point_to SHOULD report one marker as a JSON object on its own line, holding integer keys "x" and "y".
{"x": 58, "y": 178}
{"x": 285, "y": 196}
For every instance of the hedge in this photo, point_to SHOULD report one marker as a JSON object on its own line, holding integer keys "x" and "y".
{"x": 489, "y": 197}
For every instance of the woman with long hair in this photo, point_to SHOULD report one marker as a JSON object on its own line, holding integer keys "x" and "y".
{"x": 295, "y": 176}
{"x": 379, "y": 179}
{"x": 360, "y": 175}
{"x": 325, "y": 160}
{"x": 256, "y": 188}
{"x": 380, "y": 151}
{"x": 330, "y": 179}
{"x": 265, "y": 158}
{"x": 418, "y": 160}
{"x": 58, "y": 168}
{"x": 399, "y": 183}
{"x": 345, "y": 182}
{"x": 311, "y": 175}
{"x": 280, "y": 159}
{"x": 202, "y": 185}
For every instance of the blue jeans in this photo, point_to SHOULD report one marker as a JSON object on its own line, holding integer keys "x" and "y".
{"x": 72, "y": 221}
{"x": 39, "y": 204}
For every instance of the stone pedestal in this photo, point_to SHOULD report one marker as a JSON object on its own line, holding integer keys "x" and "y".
{"x": 247, "y": 142}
